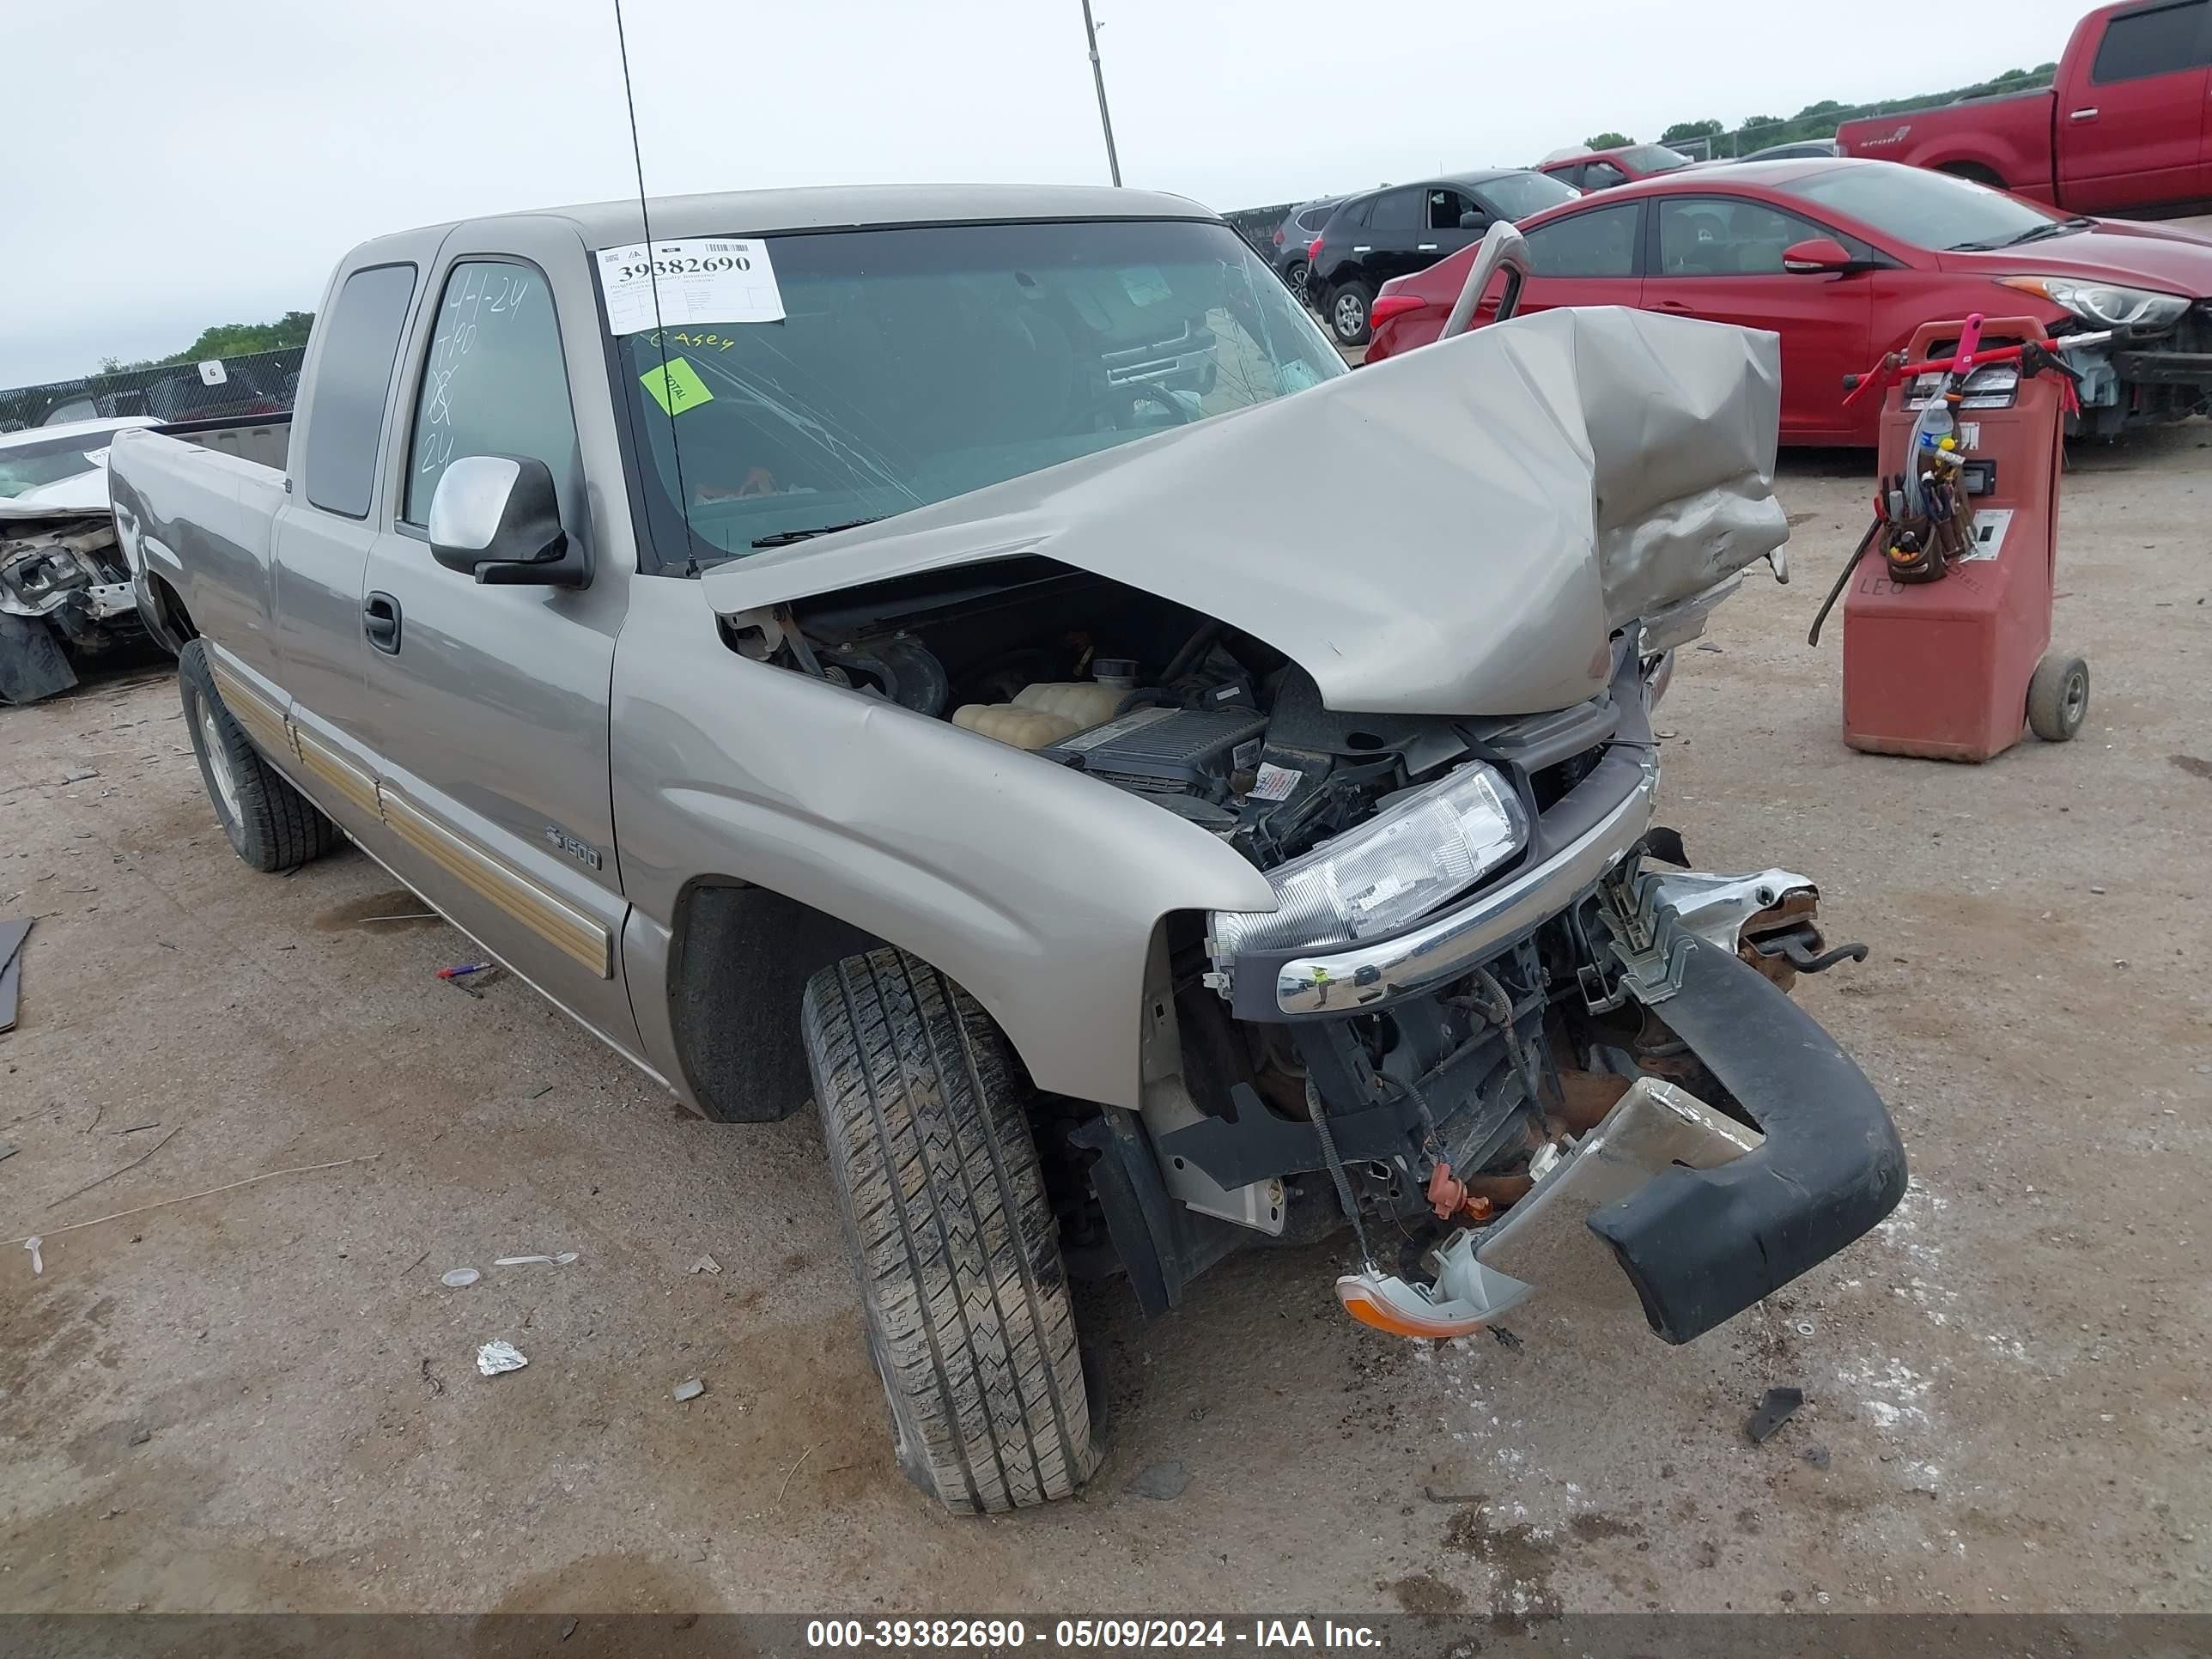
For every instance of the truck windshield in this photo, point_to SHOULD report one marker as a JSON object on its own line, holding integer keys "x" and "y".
{"x": 1920, "y": 208}
{"x": 916, "y": 364}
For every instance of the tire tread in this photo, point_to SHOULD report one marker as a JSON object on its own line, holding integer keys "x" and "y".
{"x": 957, "y": 1248}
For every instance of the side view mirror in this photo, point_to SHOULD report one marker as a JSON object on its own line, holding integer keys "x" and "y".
{"x": 1817, "y": 256}
{"x": 1472, "y": 222}
{"x": 497, "y": 518}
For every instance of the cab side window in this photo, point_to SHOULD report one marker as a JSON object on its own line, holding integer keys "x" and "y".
{"x": 345, "y": 414}
{"x": 1602, "y": 175}
{"x": 2157, "y": 40}
{"x": 495, "y": 382}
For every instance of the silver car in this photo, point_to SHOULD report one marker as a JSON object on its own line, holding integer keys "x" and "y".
{"x": 835, "y": 646}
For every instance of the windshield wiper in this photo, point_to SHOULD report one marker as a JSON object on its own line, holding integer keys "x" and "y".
{"x": 2052, "y": 228}
{"x": 785, "y": 538}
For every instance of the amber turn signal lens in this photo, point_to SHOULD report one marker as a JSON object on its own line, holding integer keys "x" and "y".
{"x": 1366, "y": 1301}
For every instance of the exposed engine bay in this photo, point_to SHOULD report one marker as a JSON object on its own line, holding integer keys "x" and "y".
{"x": 1429, "y": 1119}
{"x": 1204, "y": 720}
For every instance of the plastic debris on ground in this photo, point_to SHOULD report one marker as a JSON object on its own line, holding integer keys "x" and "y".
{"x": 459, "y": 1278}
{"x": 494, "y": 1357}
{"x": 690, "y": 1390}
{"x": 1162, "y": 1483}
{"x": 38, "y": 1262}
{"x": 1776, "y": 1407}
{"x": 12, "y": 935}
{"x": 560, "y": 1261}
{"x": 706, "y": 1264}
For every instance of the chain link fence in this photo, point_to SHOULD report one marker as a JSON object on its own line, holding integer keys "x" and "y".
{"x": 252, "y": 383}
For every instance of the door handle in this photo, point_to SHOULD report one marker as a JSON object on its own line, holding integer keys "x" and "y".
{"x": 1362, "y": 247}
{"x": 2088, "y": 114}
{"x": 1675, "y": 305}
{"x": 380, "y": 620}
{"x": 1425, "y": 248}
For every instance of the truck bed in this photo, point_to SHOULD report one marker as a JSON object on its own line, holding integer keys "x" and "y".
{"x": 2004, "y": 140}
{"x": 195, "y": 506}
{"x": 263, "y": 439}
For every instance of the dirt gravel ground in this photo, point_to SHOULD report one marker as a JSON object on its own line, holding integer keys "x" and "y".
{"x": 266, "y": 1399}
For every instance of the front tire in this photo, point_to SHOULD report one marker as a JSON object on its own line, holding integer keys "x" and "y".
{"x": 1347, "y": 313}
{"x": 270, "y": 824}
{"x": 957, "y": 1249}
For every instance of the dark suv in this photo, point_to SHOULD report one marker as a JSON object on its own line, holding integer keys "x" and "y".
{"x": 1403, "y": 228}
{"x": 1294, "y": 235}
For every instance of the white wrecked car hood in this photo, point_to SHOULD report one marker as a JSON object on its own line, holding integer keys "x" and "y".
{"x": 84, "y": 492}
{"x": 1467, "y": 524}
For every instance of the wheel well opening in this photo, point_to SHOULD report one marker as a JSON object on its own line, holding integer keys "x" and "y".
{"x": 1974, "y": 170}
{"x": 741, "y": 957}
{"x": 173, "y": 616}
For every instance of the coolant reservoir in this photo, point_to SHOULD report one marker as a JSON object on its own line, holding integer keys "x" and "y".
{"x": 1086, "y": 703}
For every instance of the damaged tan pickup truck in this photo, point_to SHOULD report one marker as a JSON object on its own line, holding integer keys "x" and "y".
{"x": 848, "y": 638}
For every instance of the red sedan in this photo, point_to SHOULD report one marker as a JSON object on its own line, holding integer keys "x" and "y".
{"x": 1844, "y": 259}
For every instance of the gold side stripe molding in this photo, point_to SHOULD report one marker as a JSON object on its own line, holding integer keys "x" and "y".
{"x": 263, "y": 720}
{"x": 506, "y": 888}
{"x": 346, "y": 780}
{"x": 508, "y": 891}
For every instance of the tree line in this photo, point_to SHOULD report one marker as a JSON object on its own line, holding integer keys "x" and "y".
{"x": 228, "y": 340}
{"x": 1821, "y": 120}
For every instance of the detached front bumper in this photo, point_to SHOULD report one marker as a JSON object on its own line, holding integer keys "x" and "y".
{"x": 1701, "y": 1245}
{"x": 1701, "y": 1216}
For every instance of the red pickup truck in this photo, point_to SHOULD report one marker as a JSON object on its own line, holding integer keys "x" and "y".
{"x": 2126, "y": 127}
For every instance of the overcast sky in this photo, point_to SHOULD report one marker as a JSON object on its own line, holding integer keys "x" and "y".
{"x": 172, "y": 166}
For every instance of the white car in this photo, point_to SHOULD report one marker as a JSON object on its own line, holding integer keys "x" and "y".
{"x": 65, "y": 592}
{"x": 48, "y": 472}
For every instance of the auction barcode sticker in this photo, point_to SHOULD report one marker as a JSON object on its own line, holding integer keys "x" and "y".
{"x": 708, "y": 279}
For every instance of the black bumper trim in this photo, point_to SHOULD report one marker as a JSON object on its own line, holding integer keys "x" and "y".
{"x": 1701, "y": 1245}
{"x": 2164, "y": 367}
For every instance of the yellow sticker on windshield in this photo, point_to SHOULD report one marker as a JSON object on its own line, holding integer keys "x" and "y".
{"x": 676, "y": 386}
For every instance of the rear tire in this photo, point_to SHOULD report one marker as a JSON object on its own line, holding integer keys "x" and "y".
{"x": 1347, "y": 312}
{"x": 2057, "y": 697}
{"x": 1296, "y": 278}
{"x": 270, "y": 825}
{"x": 957, "y": 1249}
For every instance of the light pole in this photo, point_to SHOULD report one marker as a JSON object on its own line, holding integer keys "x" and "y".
{"x": 1098, "y": 75}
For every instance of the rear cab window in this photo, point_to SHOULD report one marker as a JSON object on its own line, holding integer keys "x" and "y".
{"x": 2158, "y": 41}
{"x": 345, "y": 415}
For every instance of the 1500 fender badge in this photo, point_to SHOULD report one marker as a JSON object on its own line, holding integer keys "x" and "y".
{"x": 583, "y": 852}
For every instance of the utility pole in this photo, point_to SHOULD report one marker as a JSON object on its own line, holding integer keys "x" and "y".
{"x": 1098, "y": 75}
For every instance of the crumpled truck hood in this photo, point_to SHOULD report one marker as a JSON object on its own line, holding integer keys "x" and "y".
{"x": 1454, "y": 531}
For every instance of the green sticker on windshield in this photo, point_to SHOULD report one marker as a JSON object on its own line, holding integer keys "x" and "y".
{"x": 677, "y": 386}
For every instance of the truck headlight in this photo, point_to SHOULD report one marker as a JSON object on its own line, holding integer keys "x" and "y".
{"x": 2108, "y": 303}
{"x": 1397, "y": 866}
